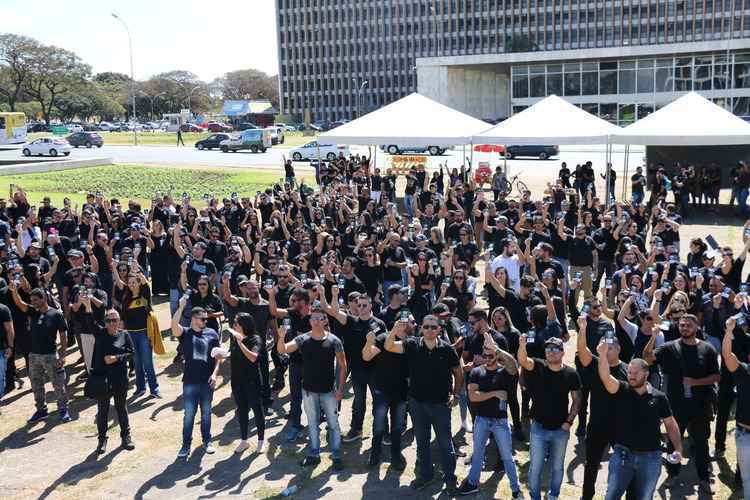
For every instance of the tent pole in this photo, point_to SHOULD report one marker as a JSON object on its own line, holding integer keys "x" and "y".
{"x": 607, "y": 161}
{"x": 626, "y": 172}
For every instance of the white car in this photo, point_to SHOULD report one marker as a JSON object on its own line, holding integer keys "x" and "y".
{"x": 277, "y": 134}
{"x": 74, "y": 128}
{"x": 287, "y": 128}
{"x": 310, "y": 151}
{"x": 47, "y": 146}
{"x": 105, "y": 126}
{"x": 397, "y": 149}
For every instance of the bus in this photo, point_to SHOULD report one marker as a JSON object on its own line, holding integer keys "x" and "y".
{"x": 12, "y": 128}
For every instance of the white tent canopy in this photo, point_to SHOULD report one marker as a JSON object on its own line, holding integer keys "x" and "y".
{"x": 550, "y": 121}
{"x": 691, "y": 120}
{"x": 414, "y": 120}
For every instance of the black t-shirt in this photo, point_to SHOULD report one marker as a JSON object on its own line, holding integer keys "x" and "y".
{"x": 4, "y": 318}
{"x": 549, "y": 392}
{"x": 678, "y": 360}
{"x": 197, "y": 268}
{"x": 474, "y": 343}
{"x": 318, "y": 366}
{"x": 396, "y": 255}
{"x": 601, "y": 400}
{"x": 244, "y": 371}
{"x": 638, "y": 417}
{"x": 488, "y": 381}
{"x": 298, "y": 325}
{"x": 430, "y": 370}
{"x": 196, "y": 350}
{"x": 390, "y": 371}
{"x": 354, "y": 335}
{"x": 44, "y": 328}
{"x": 390, "y": 315}
{"x": 581, "y": 251}
{"x": 742, "y": 378}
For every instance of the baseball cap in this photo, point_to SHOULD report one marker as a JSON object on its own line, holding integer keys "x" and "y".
{"x": 74, "y": 254}
{"x": 36, "y": 244}
{"x": 421, "y": 237}
{"x": 554, "y": 342}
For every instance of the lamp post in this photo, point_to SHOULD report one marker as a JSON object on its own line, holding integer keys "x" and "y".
{"x": 359, "y": 88}
{"x": 132, "y": 75}
{"x": 190, "y": 95}
{"x": 151, "y": 98}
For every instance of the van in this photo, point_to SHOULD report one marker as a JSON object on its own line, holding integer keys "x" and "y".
{"x": 254, "y": 139}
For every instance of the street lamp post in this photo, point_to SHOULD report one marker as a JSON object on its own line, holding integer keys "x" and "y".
{"x": 151, "y": 98}
{"x": 132, "y": 75}
{"x": 359, "y": 88}
{"x": 190, "y": 95}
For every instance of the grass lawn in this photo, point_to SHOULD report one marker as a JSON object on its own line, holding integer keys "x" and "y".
{"x": 139, "y": 182}
{"x": 291, "y": 139}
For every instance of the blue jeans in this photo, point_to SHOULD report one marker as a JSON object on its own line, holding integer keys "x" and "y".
{"x": 437, "y": 415}
{"x": 409, "y": 203}
{"x": 543, "y": 441}
{"x": 3, "y": 367}
{"x": 742, "y": 441}
{"x": 642, "y": 468}
{"x": 636, "y": 198}
{"x": 144, "y": 362}
{"x": 381, "y": 405}
{"x": 314, "y": 403}
{"x": 174, "y": 300}
{"x": 194, "y": 395}
{"x": 500, "y": 428}
{"x": 742, "y": 200}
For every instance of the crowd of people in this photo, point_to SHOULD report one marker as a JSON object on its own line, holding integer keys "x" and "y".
{"x": 459, "y": 297}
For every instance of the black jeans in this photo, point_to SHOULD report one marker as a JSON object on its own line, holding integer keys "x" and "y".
{"x": 724, "y": 404}
{"x": 122, "y": 414}
{"x": 295, "y": 394}
{"x": 280, "y": 364}
{"x": 265, "y": 388}
{"x": 598, "y": 438}
{"x": 513, "y": 405}
{"x": 360, "y": 383}
{"x": 603, "y": 269}
{"x": 699, "y": 426}
{"x": 248, "y": 397}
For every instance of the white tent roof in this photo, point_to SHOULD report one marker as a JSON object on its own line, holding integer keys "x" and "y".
{"x": 414, "y": 120}
{"x": 550, "y": 121}
{"x": 691, "y": 120}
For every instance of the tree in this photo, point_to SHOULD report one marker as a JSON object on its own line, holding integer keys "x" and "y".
{"x": 16, "y": 64}
{"x": 55, "y": 71}
{"x": 249, "y": 84}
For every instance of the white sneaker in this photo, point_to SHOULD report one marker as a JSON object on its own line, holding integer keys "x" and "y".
{"x": 261, "y": 447}
{"x": 244, "y": 444}
{"x": 210, "y": 450}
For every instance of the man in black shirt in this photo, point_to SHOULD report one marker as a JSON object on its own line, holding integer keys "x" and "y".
{"x": 396, "y": 303}
{"x": 606, "y": 245}
{"x": 7, "y": 339}
{"x": 600, "y": 431}
{"x": 488, "y": 386}
{"x": 549, "y": 382}
{"x": 432, "y": 364}
{"x": 693, "y": 370}
{"x": 741, "y": 372}
{"x": 583, "y": 259}
{"x": 639, "y": 410}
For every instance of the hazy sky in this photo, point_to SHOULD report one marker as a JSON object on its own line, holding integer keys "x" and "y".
{"x": 207, "y": 38}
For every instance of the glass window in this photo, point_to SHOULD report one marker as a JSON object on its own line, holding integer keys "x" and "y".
{"x": 626, "y": 81}
{"x": 742, "y": 75}
{"x": 608, "y": 111}
{"x": 608, "y": 80}
{"x": 720, "y": 77}
{"x": 536, "y": 85}
{"x": 644, "y": 110}
{"x": 589, "y": 83}
{"x": 741, "y": 106}
{"x": 664, "y": 63}
{"x": 573, "y": 83}
{"x": 645, "y": 80}
{"x": 702, "y": 79}
{"x": 520, "y": 86}
{"x": 627, "y": 64}
{"x": 683, "y": 80}
{"x": 592, "y": 108}
{"x": 518, "y": 109}
{"x": 665, "y": 79}
{"x": 626, "y": 114}
{"x": 554, "y": 84}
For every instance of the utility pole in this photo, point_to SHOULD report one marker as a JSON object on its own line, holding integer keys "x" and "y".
{"x": 132, "y": 75}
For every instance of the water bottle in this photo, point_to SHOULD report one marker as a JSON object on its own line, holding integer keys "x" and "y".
{"x": 530, "y": 337}
{"x": 404, "y": 316}
{"x": 503, "y": 405}
{"x": 286, "y": 323}
{"x": 289, "y": 490}
{"x": 687, "y": 391}
{"x": 609, "y": 336}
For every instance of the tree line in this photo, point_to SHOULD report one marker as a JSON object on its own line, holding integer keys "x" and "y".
{"x": 54, "y": 83}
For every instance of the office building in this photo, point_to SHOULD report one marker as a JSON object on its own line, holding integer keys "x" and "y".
{"x": 490, "y": 58}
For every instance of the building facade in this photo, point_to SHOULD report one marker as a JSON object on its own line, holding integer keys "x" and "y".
{"x": 619, "y": 59}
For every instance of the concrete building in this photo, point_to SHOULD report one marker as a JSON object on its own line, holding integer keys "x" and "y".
{"x": 619, "y": 59}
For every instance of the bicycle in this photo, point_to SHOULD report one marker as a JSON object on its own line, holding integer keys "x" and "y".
{"x": 507, "y": 186}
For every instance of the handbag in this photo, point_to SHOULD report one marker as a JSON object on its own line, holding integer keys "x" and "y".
{"x": 96, "y": 387}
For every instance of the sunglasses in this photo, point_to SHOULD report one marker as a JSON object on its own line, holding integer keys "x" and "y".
{"x": 553, "y": 350}
{"x": 430, "y": 327}
{"x": 203, "y": 319}
{"x": 112, "y": 320}
{"x": 317, "y": 318}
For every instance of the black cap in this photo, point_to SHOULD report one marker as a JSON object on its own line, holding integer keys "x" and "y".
{"x": 554, "y": 342}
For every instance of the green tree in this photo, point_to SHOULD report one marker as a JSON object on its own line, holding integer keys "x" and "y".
{"x": 17, "y": 54}
{"x": 249, "y": 84}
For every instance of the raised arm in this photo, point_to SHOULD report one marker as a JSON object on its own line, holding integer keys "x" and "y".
{"x": 729, "y": 358}
{"x": 610, "y": 383}
{"x": 584, "y": 354}
{"x": 391, "y": 342}
{"x": 526, "y": 362}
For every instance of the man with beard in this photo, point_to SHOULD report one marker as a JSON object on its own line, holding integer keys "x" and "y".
{"x": 639, "y": 410}
{"x": 692, "y": 368}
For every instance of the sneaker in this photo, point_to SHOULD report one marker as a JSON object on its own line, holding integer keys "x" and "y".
{"x": 293, "y": 435}
{"x": 102, "y": 446}
{"x": 139, "y": 393}
{"x": 310, "y": 461}
{"x": 261, "y": 447}
{"x": 244, "y": 445}
{"x": 65, "y": 416}
{"x": 38, "y": 415}
{"x": 157, "y": 394}
{"x": 386, "y": 440}
{"x": 374, "y": 459}
{"x": 184, "y": 451}
{"x": 398, "y": 462}
{"x": 127, "y": 443}
{"x": 338, "y": 465}
{"x": 517, "y": 495}
{"x": 420, "y": 484}
{"x": 706, "y": 487}
{"x": 208, "y": 449}
{"x": 352, "y": 435}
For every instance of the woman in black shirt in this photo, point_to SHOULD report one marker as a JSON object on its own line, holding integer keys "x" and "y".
{"x": 158, "y": 259}
{"x": 136, "y": 307}
{"x": 206, "y": 298}
{"x": 247, "y": 378}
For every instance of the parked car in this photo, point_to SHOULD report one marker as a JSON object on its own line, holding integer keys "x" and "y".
{"x": 37, "y": 127}
{"x": 337, "y": 123}
{"x": 90, "y": 127}
{"x": 310, "y": 151}
{"x": 47, "y": 146}
{"x": 397, "y": 149}
{"x": 320, "y": 125}
{"x": 105, "y": 126}
{"x": 74, "y": 127}
{"x": 254, "y": 139}
{"x": 246, "y": 126}
{"x": 87, "y": 139}
{"x": 218, "y": 127}
{"x": 190, "y": 127}
{"x": 541, "y": 152}
{"x": 212, "y": 141}
{"x": 287, "y": 127}
{"x": 277, "y": 134}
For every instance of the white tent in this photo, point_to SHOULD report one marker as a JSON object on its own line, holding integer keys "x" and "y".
{"x": 414, "y": 120}
{"x": 691, "y": 120}
{"x": 551, "y": 121}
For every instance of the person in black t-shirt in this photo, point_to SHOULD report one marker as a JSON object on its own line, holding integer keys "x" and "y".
{"x": 639, "y": 410}
{"x": 600, "y": 432}
{"x": 741, "y": 372}
{"x": 549, "y": 382}
{"x": 692, "y": 368}
{"x": 7, "y": 340}
{"x": 488, "y": 387}
{"x": 321, "y": 351}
